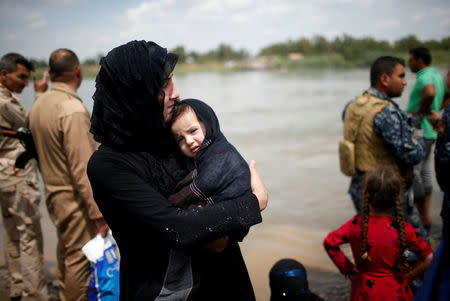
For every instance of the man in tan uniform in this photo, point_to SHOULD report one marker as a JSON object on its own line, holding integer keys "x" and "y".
{"x": 60, "y": 125}
{"x": 19, "y": 192}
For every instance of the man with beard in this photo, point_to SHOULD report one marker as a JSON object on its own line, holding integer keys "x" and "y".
{"x": 378, "y": 134}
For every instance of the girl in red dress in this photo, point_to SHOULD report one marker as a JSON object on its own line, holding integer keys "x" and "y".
{"x": 378, "y": 242}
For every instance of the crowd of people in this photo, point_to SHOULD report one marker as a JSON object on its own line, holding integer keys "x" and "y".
{"x": 387, "y": 154}
{"x": 146, "y": 164}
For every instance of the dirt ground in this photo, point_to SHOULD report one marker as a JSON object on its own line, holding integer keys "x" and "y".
{"x": 261, "y": 249}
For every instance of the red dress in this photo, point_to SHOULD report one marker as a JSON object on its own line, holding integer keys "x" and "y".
{"x": 378, "y": 279}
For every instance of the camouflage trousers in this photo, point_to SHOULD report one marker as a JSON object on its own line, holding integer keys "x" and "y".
{"x": 23, "y": 240}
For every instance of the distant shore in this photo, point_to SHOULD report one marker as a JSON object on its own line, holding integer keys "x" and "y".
{"x": 292, "y": 62}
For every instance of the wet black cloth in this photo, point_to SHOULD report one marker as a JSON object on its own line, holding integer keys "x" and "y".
{"x": 127, "y": 113}
{"x": 134, "y": 170}
{"x": 221, "y": 172}
{"x": 146, "y": 226}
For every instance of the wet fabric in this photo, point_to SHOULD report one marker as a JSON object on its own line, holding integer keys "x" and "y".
{"x": 221, "y": 172}
{"x": 378, "y": 279}
{"x": 134, "y": 171}
{"x": 129, "y": 188}
{"x": 126, "y": 112}
{"x": 19, "y": 199}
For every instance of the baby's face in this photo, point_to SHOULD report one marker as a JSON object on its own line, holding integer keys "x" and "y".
{"x": 189, "y": 133}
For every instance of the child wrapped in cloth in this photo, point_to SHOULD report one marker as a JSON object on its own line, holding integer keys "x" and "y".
{"x": 218, "y": 172}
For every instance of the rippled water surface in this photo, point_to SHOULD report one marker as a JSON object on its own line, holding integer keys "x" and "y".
{"x": 290, "y": 123}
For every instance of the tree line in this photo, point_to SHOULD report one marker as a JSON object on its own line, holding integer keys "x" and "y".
{"x": 357, "y": 51}
{"x": 350, "y": 47}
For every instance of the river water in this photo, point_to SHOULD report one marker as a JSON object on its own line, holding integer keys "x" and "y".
{"x": 290, "y": 123}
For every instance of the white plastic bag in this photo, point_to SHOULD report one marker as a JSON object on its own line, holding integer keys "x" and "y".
{"x": 102, "y": 253}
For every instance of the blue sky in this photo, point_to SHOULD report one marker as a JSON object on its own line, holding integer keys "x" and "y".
{"x": 37, "y": 27}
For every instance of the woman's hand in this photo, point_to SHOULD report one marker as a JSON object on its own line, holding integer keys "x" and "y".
{"x": 258, "y": 187}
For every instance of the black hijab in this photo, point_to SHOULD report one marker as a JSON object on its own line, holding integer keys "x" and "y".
{"x": 127, "y": 114}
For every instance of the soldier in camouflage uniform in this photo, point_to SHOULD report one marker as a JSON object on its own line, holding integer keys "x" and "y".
{"x": 389, "y": 141}
{"x": 19, "y": 191}
{"x": 442, "y": 158}
{"x": 437, "y": 279}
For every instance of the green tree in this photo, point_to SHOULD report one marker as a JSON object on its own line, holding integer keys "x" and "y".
{"x": 320, "y": 44}
{"x": 445, "y": 44}
{"x": 181, "y": 53}
{"x": 224, "y": 52}
{"x": 407, "y": 43}
{"x": 39, "y": 63}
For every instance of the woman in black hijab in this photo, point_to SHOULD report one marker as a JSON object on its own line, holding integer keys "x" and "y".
{"x": 136, "y": 168}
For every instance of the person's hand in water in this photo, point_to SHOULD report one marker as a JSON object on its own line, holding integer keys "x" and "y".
{"x": 258, "y": 187}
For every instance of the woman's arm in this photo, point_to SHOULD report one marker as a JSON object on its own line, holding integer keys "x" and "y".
{"x": 124, "y": 194}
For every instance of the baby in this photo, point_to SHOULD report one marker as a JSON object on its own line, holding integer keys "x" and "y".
{"x": 219, "y": 171}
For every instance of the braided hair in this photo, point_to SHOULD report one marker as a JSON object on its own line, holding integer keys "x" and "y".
{"x": 383, "y": 187}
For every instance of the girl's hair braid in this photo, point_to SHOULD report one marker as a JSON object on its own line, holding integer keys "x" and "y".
{"x": 383, "y": 186}
{"x": 365, "y": 226}
{"x": 403, "y": 262}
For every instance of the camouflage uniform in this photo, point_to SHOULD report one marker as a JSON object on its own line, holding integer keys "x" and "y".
{"x": 391, "y": 124}
{"x": 442, "y": 166}
{"x": 20, "y": 197}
